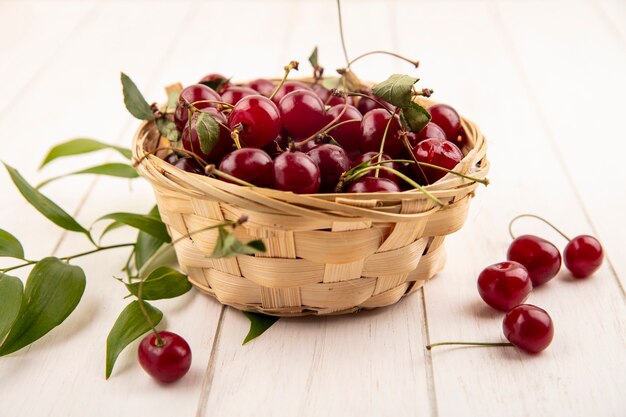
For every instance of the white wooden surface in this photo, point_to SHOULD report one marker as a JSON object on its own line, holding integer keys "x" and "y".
{"x": 543, "y": 79}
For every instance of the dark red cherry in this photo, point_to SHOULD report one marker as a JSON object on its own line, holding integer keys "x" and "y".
{"x": 438, "y": 152}
{"x": 447, "y": 119}
{"x": 308, "y": 145}
{"x": 167, "y": 362}
{"x": 263, "y": 86}
{"x": 372, "y": 131}
{"x": 192, "y": 143}
{"x": 251, "y": 165}
{"x": 332, "y": 161}
{"x": 347, "y": 135}
{"x": 429, "y": 131}
{"x": 287, "y": 88}
{"x": 216, "y": 81}
{"x": 528, "y": 327}
{"x": 259, "y": 118}
{"x": 541, "y": 258}
{"x": 325, "y": 95}
{"x": 233, "y": 94}
{"x": 365, "y": 104}
{"x": 504, "y": 285}
{"x": 583, "y": 256}
{"x": 189, "y": 95}
{"x": 302, "y": 114}
{"x": 189, "y": 164}
{"x": 381, "y": 173}
{"x": 297, "y": 172}
{"x": 374, "y": 185}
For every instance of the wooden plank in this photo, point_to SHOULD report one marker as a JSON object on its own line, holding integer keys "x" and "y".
{"x": 470, "y": 64}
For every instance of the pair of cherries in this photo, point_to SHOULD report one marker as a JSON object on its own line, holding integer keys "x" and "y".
{"x": 533, "y": 261}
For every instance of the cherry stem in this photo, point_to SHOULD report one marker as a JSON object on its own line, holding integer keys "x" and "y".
{"x": 382, "y": 142}
{"x": 210, "y": 169}
{"x": 341, "y": 123}
{"x": 331, "y": 123}
{"x": 234, "y": 135}
{"x": 536, "y": 217}
{"x": 352, "y": 94}
{"x": 415, "y": 63}
{"x": 222, "y": 103}
{"x": 343, "y": 42}
{"x": 159, "y": 341}
{"x": 432, "y": 345}
{"x": 288, "y": 68}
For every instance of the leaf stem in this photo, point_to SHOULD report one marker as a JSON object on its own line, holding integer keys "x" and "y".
{"x": 536, "y": 217}
{"x": 341, "y": 123}
{"x": 415, "y": 63}
{"x": 365, "y": 96}
{"x": 432, "y": 345}
{"x": 288, "y": 68}
{"x": 159, "y": 341}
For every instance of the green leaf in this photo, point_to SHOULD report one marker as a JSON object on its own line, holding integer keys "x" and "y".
{"x": 259, "y": 323}
{"x": 134, "y": 101}
{"x": 414, "y": 117}
{"x": 160, "y": 284}
{"x": 114, "y": 169}
{"x": 81, "y": 146}
{"x": 208, "y": 131}
{"x": 10, "y": 246}
{"x": 167, "y": 128}
{"x": 228, "y": 245}
{"x": 330, "y": 82}
{"x": 146, "y": 246}
{"x": 313, "y": 58}
{"x": 146, "y": 223}
{"x": 397, "y": 90}
{"x": 53, "y": 290}
{"x": 44, "y": 205}
{"x": 130, "y": 324}
{"x": 11, "y": 291}
{"x": 172, "y": 100}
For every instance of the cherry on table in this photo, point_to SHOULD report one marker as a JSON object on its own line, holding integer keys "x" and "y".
{"x": 263, "y": 86}
{"x": 295, "y": 171}
{"x": 288, "y": 87}
{"x": 583, "y": 255}
{"x": 447, "y": 119}
{"x": 302, "y": 114}
{"x": 437, "y": 152}
{"x": 167, "y": 361}
{"x": 541, "y": 258}
{"x": 373, "y": 128}
{"x": 191, "y": 142}
{"x": 381, "y": 173}
{"x": 347, "y": 134}
{"x": 258, "y": 118}
{"x": 192, "y": 94}
{"x": 251, "y": 165}
{"x": 528, "y": 327}
{"x": 332, "y": 161}
{"x": 373, "y": 185}
{"x": 233, "y": 94}
{"x": 504, "y": 285}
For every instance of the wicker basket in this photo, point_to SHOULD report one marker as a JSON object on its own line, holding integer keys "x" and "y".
{"x": 326, "y": 253}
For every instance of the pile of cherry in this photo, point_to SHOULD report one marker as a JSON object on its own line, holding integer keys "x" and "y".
{"x": 533, "y": 261}
{"x": 302, "y": 138}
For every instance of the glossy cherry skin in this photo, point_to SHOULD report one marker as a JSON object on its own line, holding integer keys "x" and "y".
{"x": 374, "y": 185}
{"x": 373, "y": 129}
{"x": 189, "y": 164}
{"x": 233, "y": 94}
{"x": 381, "y": 173}
{"x": 504, "y": 285}
{"x": 438, "y": 152}
{"x": 347, "y": 135}
{"x": 189, "y": 95}
{"x": 192, "y": 142}
{"x": 302, "y": 113}
{"x": 251, "y": 165}
{"x": 332, "y": 161}
{"x": 288, "y": 87}
{"x": 166, "y": 363}
{"x": 541, "y": 258}
{"x": 528, "y": 327}
{"x": 583, "y": 256}
{"x": 296, "y": 172}
{"x": 217, "y": 78}
{"x": 260, "y": 120}
{"x": 326, "y": 96}
{"x": 429, "y": 131}
{"x": 447, "y": 119}
{"x": 263, "y": 86}
{"x": 365, "y": 104}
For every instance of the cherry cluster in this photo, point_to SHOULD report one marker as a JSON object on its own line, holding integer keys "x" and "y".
{"x": 305, "y": 138}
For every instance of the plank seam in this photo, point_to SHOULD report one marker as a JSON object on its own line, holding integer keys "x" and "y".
{"x": 428, "y": 360}
{"x": 210, "y": 370}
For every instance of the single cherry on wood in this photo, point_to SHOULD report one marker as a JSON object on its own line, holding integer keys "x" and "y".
{"x": 504, "y": 285}
{"x": 167, "y": 358}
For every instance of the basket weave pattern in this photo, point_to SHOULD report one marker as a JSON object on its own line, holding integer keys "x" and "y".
{"x": 326, "y": 253}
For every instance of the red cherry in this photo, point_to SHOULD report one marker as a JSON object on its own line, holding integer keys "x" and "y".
{"x": 447, "y": 119}
{"x": 365, "y": 104}
{"x": 216, "y": 79}
{"x": 233, "y": 94}
{"x": 190, "y": 165}
{"x": 189, "y": 95}
{"x": 504, "y": 285}
{"x": 259, "y": 118}
{"x": 287, "y": 88}
{"x": 297, "y": 172}
{"x": 263, "y": 86}
{"x": 302, "y": 114}
{"x": 373, "y": 128}
{"x": 325, "y": 95}
{"x": 332, "y": 162}
{"x": 541, "y": 258}
{"x": 373, "y": 185}
{"x": 583, "y": 256}
{"x": 192, "y": 142}
{"x": 347, "y": 135}
{"x": 381, "y": 173}
{"x": 429, "y": 131}
{"x": 435, "y": 152}
{"x": 251, "y": 165}
{"x": 528, "y": 327}
{"x": 168, "y": 362}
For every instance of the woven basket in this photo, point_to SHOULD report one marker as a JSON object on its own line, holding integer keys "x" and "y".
{"x": 326, "y": 253}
